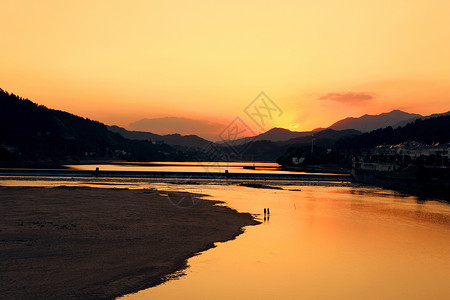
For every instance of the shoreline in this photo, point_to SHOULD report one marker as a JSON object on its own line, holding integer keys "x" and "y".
{"x": 172, "y": 175}
{"x": 83, "y": 242}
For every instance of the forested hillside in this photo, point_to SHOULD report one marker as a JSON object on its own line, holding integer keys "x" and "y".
{"x": 32, "y": 132}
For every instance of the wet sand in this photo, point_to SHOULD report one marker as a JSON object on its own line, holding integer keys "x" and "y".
{"x": 93, "y": 243}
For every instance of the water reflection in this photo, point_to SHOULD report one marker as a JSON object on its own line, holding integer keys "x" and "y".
{"x": 322, "y": 243}
{"x": 213, "y": 167}
{"x": 326, "y": 243}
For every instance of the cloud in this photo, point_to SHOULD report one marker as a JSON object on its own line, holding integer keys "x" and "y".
{"x": 349, "y": 97}
{"x": 185, "y": 126}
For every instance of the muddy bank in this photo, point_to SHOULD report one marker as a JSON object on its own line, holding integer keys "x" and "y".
{"x": 101, "y": 243}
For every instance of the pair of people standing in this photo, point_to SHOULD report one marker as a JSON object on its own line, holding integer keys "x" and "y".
{"x": 266, "y": 211}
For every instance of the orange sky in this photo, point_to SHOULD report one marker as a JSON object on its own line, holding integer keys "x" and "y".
{"x": 320, "y": 61}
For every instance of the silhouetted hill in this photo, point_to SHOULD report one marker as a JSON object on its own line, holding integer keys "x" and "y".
{"x": 170, "y": 139}
{"x": 325, "y": 138}
{"x": 404, "y": 122}
{"x": 264, "y": 150}
{"x": 425, "y": 131}
{"x": 368, "y": 123}
{"x": 274, "y": 135}
{"x": 281, "y": 134}
{"x": 32, "y": 132}
{"x": 182, "y": 125}
{"x": 286, "y": 136}
{"x": 134, "y": 135}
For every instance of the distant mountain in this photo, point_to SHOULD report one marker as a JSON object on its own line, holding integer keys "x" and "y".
{"x": 347, "y": 126}
{"x": 325, "y": 138}
{"x": 371, "y": 122}
{"x": 281, "y": 134}
{"x": 274, "y": 135}
{"x": 404, "y": 122}
{"x": 358, "y": 125}
{"x": 427, "y": 131}
{"x": 184, "y": 126}
{"x": 170, "y": 139}
{"x": 266, "y": 150}
{"x": 30, "y": 133}
{"x": 134, "y": 135}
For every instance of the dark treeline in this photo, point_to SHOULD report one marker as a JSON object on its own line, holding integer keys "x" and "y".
{"x": 31, "y": 132}
{"x": 262, "y": 150}
{"x": 34, "y": 133}
{"x": 426, "y": 131}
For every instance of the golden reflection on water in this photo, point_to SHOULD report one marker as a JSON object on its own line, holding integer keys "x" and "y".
{"x": 214, "y": 167}
{"x": 323, "y": 243}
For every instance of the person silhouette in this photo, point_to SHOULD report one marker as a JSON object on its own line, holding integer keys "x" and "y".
{"x": 268, "y": 211}
{"x": 264, "y": 211}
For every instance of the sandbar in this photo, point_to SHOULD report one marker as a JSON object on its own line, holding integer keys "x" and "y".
{"x": 100, "y": 243}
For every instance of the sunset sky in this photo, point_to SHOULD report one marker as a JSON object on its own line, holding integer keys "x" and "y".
{"x": 122, "y": 61}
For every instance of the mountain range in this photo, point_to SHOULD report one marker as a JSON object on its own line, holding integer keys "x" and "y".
{"x": 35, "y": 132}
{"x": 32, "y": 134}
{"x": 365, "y": 123}
{"x": 368, "y": 123}
{"x": 268, "y": 146}
{"x": 428, "y": 131}
{"x": 169, "y": 139}
{"x": 405, "y": 122}
{"x": 266, "y": 150}
{"x": 179, "y": 125}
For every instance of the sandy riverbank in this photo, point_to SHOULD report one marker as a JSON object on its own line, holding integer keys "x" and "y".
{"x": 90, "y": 243}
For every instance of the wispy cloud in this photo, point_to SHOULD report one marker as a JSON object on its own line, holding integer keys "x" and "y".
{"x": 348, "y": 97}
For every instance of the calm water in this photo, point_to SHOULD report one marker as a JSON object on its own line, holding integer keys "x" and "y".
{"x": 323, "y": 243}
{"x": 215, "y": 167}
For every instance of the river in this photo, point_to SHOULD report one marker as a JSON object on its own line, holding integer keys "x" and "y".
{"x": 321, "y": 241}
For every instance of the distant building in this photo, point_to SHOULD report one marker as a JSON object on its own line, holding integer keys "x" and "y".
{"x": 412, "y": 150}
{"x": 379, "y": 167}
